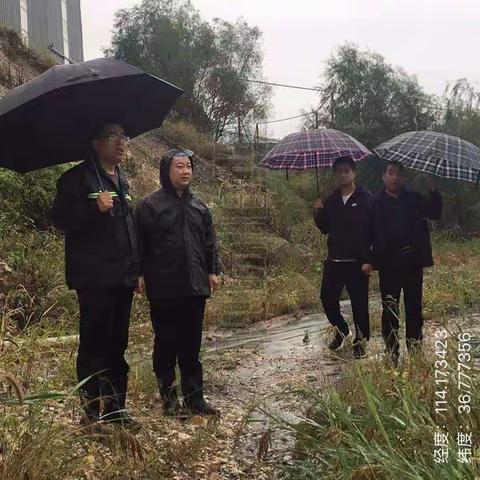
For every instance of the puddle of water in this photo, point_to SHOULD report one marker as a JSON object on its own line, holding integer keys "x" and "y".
{"x": 275, "y": 340}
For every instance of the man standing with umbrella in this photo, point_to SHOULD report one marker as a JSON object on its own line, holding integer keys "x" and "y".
{"x": 402, "y": 249}
{"x": 92, "y": 207}
{"x": 180, "y": 265}
{"x": 56, "y": 112}
{"x": 346, "y": 218}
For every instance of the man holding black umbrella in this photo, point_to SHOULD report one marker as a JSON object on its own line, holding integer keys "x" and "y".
{"x": 401, "y": 250}
{"x": 92, "y": 207}
{"x": 56, "y": 112}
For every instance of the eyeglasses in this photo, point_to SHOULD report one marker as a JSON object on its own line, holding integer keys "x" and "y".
{"x": 113, "y": 137}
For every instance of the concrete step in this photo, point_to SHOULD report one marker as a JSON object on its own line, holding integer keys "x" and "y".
{"x": 259, "y": 271}
{"x": 252, "y": 258}
{"x": 247, "y": 221}
{"x": 244, "y": 211}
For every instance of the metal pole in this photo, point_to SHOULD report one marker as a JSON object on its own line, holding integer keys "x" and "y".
{"x": 58, "y": 53}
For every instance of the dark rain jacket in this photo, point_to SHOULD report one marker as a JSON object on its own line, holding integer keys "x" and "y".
{"x": 402, "y": 222}
{"x": 348, "y": 225}
{"x": 100, "y": 248}
{"x": 177, "y": 242}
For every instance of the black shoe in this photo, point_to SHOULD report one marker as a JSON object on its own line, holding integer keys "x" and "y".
{"x": 201, "y": 407}
{"x": 359, "y": 349}
{"x": 91, "y": 425}
{"x": 171, "y": 405}
{"x": 121, "y": 418}
{"x": 338, "y": 341}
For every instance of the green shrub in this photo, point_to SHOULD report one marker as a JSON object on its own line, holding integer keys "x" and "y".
{"x": 26, "y": 199}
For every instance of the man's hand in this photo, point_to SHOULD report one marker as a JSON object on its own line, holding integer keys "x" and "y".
{"x": 432, "y": 184}
{"x": 140, "y": 289}
{"x": 214, "y": 281}
{"x": 318, "y": 204}
{"x": 105, "y": 201}
{"x": 367, "y": 269}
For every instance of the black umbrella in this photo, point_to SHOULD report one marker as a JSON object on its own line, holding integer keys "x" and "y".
{"x": 51, "y": 119}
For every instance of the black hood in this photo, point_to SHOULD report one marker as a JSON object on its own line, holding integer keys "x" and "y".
{"x": 165, "y": 162}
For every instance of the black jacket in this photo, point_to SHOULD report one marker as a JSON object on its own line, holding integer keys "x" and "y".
{"x": 177, "y": 243}
{"x": 348, "y": 225}
{"x": 100, "y": 248}
{"x": 411, "y": 210}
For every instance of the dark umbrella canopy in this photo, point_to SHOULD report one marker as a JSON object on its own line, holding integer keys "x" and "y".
{"x": 51, "y": 119}
{"x": 436, "y": 153}
{"x": 313, "y": 149}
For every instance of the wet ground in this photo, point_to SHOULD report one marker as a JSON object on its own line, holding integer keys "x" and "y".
{"x": 262, "y": 372}
{"x": 256, "y": 377}
{"x": 294, "y": 333}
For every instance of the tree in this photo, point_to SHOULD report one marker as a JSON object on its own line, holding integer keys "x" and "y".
{"x": 229, "y": 99}
{"x": 211, "y": 62}
{"x": 462, "y": 111}
{"x": 167, "y": 39}
{"x": 367, "y": 97}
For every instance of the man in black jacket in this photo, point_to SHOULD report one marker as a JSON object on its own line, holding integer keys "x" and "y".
{"x": 92, "y": 207}
{"x": 346, "y": 218}
{"x": 180, "y": 266}
{"x": 401, "y": 249}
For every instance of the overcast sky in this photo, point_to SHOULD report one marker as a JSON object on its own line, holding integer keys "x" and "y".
{"x": 438, "y": 40}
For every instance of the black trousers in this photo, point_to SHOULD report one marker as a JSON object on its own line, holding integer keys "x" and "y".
{"x": 336, "y": 276}
{"x": 177, "y": 324}
{"x": 392, "y": 282}
{"x": 104, "y": 322}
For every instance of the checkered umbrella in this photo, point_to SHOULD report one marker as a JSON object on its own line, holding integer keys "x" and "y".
{"x": 313, "y": 149}
{"x": 435, "y": 153}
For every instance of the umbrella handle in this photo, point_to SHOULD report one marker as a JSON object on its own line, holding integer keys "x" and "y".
{"x": 102, "y": 189}
{"x": 98, "y": 174}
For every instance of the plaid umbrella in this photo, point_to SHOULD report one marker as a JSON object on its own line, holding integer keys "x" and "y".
{"x": 436, "y": 153}
{"x": 313, "y": 149}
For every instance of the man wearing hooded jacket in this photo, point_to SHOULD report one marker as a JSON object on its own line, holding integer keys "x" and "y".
{"x": 180, "y": 265}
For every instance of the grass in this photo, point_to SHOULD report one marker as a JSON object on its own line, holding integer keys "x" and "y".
{"x": 451, "y": 286}
{"x": 380, "y": 423}
{"x": 40, "y": 436}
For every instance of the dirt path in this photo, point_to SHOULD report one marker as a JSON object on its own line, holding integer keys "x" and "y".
{"x": 253, "y": 378}
{"x": 253, "y": 385}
